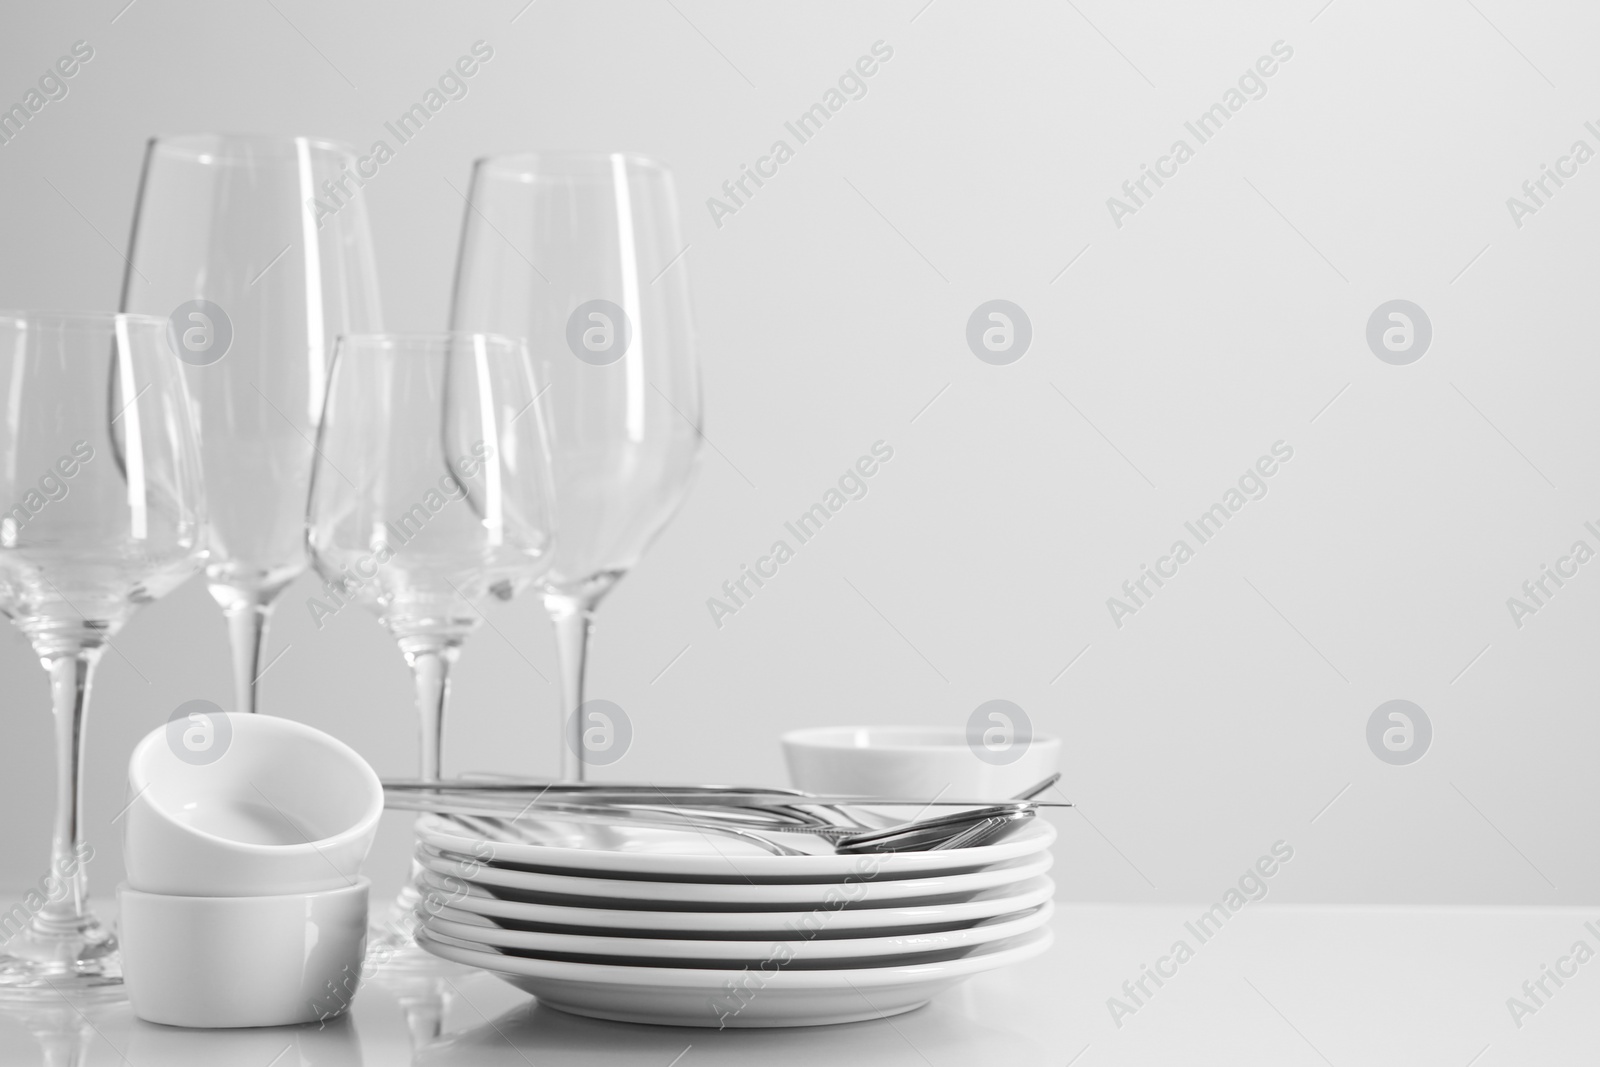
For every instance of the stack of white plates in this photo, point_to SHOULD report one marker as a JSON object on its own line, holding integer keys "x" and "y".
{"x": 676, "y": 927}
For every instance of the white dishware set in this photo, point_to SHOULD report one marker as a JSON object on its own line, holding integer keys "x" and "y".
{"x": 244, "y": 904}
{"x": 722, "y": 906}
{"x": 244, "y": 415}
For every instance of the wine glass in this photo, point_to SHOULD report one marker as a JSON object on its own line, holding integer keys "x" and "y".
{"x": 100, "y": 475}
{"x": 580, "y": 255}
{"x": 431, "y": 488}
{"x": 259, "y": 251}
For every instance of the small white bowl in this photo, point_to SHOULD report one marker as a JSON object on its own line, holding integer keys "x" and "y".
{"x": 242, "y": 961}
{"x": 285, "y": 808}
{"x": 913, "y": 762}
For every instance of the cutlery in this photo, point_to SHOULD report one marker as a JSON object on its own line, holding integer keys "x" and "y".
{"x": 493, "y": 824}
{"x": 966, "y": 829}
{"x": 957, "y": 830}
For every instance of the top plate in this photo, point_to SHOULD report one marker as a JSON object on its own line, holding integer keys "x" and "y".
{"x": 686, "y": 855}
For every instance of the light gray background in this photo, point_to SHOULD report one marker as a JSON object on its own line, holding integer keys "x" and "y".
{"x": 1228, "y": 314}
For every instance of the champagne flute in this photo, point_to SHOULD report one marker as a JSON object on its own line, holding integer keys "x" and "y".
{"x": 100, "y": 476}
{"x": 260, "y": 253}
{"x": 580, "y": 255}
{"x": 431, "y": 489}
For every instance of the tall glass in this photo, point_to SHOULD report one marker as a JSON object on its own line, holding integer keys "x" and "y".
{"x": 581, "y": 255}
{"x": 431, "y": 490}
{"x": 258, "y": 249}
{"x": 100, "y": 478}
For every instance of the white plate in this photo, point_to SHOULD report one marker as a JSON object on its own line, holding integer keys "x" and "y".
{"x": 686, "y": 854}
{"x": 804, "y": 950}
{"x": 862, "y": 922}
{"x": 767, "y": 996}
{"x": 862, "y": 891}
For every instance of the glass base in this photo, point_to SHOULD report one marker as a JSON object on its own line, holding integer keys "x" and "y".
{"x": 78, "y": 961}
{"x": 65, "y": 1030}
{"x": 424, "y": 998}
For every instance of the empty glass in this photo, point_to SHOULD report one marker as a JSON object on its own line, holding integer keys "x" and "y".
{"x": 431, "y": 489}
{"x": 580, "y": 255}
{"x": 100, "y": 478}
{"x": 258, "y": 250}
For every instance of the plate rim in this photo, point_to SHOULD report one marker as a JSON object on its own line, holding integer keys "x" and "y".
{"x": 620, "y": 976}
{"x": 735, "y": 893}
{"x": 1014, "y": 923}
{"x": 709, "y": 921}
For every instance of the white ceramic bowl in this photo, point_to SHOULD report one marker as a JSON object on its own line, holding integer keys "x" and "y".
{"x": 242, "y": 961}
{"x": 915, "y": 762}
{"x": 284, "y": 809}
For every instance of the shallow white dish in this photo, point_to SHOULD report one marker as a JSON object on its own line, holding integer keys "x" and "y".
{"x": 862, "y": 890}
{"x": 681, "y": 996}
{"x": 687, "y": 854}
{"x": 805, "y": 950}
{"x": 860, "y": 922}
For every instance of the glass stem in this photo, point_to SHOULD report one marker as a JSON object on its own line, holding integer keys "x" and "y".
{"x": 247, "y": 612}
{"x": 574, "y": 620}
{"x": 430, "y": 655}
{"x": 70, "y": 670}
{"x": 431, "y": 658}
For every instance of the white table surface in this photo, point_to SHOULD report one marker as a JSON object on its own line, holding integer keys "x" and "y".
{"x": 1277, "y": 985}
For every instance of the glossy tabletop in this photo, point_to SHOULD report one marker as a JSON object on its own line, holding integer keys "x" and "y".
{"x": 1269, "y": 985}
